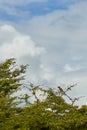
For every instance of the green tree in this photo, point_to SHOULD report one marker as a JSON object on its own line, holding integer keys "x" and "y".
{"x": 48, "y": 110}
{"x": 11, "y": 76}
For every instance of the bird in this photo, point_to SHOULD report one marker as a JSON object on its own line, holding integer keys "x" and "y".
{"x": 61, "y": 91}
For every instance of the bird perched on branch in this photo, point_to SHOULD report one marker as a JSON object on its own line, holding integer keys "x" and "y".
{"x": 61, "y": 91}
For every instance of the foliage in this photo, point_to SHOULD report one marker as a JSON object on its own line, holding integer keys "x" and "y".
{"x": 47, "y": 111}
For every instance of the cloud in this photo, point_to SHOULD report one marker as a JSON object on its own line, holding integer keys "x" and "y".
{"x": 68, "y": 68}
{"x": 14, "y": 44}
{"x": 17, "y": 45}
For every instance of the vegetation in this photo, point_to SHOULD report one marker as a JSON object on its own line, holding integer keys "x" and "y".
{"x": 47, "y": 111}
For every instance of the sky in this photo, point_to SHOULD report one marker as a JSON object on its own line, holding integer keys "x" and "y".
{"x": 50, "y": 36}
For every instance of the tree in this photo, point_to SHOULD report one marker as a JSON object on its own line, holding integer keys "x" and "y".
{"x": 47, "y": 111}
{"x": 10, "y": 81}
{"x": 10, "y": 76}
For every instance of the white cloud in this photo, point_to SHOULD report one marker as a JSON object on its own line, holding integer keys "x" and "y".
{"x": 17, "y": 45}
{"x": 68, "y": 68}
{"x": 14, "y": 44}
{"x": 7, "y": 28}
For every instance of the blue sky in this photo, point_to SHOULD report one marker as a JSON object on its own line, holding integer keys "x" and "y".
{"x": 18, "y": 11}
{"x": 49, "y": 35}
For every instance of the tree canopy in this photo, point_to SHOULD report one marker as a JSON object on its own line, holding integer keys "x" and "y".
{"x": 48, "y": 110}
